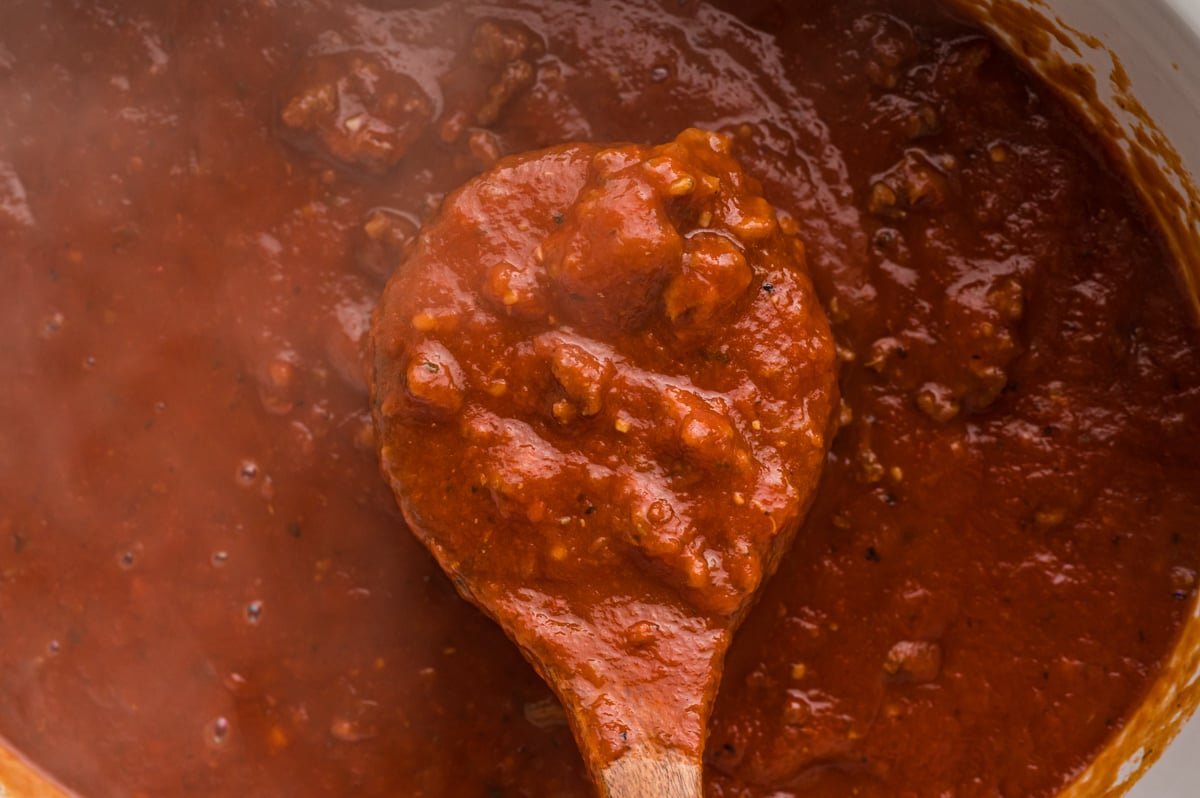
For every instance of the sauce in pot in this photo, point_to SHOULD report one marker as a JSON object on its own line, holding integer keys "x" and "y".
{"x": 205, "y": 585}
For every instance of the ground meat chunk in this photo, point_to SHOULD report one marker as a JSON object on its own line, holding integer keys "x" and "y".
{"x": 715, "y": 274}
{"x": 609, "y": 263}
{"x": 355, "y": 110}
{"x": 514, "y": 78}
{"x": 913, "y": 661}
{"x": 497, "y": 42}
{"x": 919, "y": 182}
{"x": 584, "y": 376}
{"x": 500, "y": 65}
{"x": 387, "y": 238}
{"x": 890, "y": 46}
{"x": 515, "y": 290}
{"x": 902, "y": 118}
{"x": 433, "y": 378}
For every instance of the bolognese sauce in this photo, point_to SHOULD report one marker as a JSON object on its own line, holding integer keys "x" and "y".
{"x": 207, "y": 588}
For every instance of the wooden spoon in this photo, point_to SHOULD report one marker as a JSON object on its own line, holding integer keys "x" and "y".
{"x": 652, "y": 773}
{"x": 603, "y": 391}
{"x": 18, "y": 776}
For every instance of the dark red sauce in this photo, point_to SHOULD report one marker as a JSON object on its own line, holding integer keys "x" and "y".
{"x": 205, "y": 585}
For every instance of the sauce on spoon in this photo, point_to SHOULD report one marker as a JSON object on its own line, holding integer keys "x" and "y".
{"x": 604, "y": 389}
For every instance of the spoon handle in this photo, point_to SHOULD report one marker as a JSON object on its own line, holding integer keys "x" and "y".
{"x": 652, "y": 774}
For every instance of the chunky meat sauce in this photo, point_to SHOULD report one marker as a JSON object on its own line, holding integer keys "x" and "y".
{"x": 207, "y": 588}
{"x": 626, "y": 370}
{"x": 604, "y": 390}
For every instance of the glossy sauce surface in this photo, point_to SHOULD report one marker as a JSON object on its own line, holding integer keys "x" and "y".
{"x": 205, "y": 587}
{"x": 603, "y": 389}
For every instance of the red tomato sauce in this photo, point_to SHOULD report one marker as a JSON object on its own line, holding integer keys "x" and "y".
{"x": 603, "y": 389}
{"x": 206, "y": 586}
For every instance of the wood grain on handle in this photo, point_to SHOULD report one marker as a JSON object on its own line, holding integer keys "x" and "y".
{"x": 647, "y": 773}
{"x": 20, "y": 779}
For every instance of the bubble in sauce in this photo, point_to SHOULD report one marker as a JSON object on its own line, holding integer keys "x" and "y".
{"x": 248, "y": 472}
{"x": 254, "y": 612}
{"x": 216, "y": 732}
{"x": 52, "y": 324}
